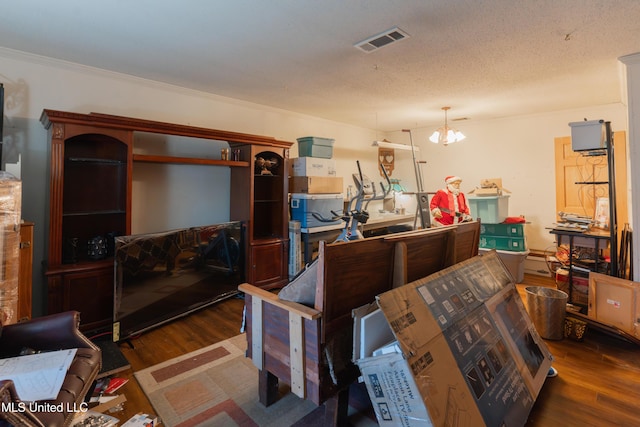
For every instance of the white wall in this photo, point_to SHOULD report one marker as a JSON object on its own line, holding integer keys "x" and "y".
{"x": 520, "y": 150}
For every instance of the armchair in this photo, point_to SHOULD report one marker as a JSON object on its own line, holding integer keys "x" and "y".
{"x": 54, "y": 332}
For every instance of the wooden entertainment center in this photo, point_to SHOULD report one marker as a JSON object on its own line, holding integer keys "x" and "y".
{"x": 91, "y": 164}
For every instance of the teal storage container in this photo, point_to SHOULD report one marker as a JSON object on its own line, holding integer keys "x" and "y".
{"x": 508, "y": 230}
{"x": 490, "y": 209}
{"x": 503, "y": 243}
{"x": 313, "y": 146}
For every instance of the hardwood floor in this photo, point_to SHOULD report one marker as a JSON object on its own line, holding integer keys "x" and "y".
{"x": 598, "y": 382}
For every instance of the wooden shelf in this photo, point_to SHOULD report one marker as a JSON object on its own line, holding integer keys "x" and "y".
{"x": 146, "y": 158}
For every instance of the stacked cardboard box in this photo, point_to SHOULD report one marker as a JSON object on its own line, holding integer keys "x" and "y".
{"x": 315, "y": 188}
{"x": 314, "y": 175}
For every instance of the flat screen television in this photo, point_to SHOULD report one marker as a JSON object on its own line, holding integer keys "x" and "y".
{"x": 162, "y": 276}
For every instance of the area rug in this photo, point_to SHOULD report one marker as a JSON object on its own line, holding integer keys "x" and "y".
{"x": 218, "y": 386}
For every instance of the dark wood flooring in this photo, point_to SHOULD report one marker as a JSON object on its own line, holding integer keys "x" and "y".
{"x": 598, "y": 382}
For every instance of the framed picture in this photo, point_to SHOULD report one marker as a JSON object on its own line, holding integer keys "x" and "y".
{"x": 601, "y": 214}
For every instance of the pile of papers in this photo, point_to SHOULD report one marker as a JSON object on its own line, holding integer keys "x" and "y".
{"x": 37, "y": 376}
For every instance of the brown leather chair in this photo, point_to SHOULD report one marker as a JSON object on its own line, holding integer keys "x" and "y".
{"x": 48, "y": 333}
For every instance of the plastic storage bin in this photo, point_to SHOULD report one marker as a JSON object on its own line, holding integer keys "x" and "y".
{"x": 490, "y": 209}
{"x": 304, "y": 205}
{"x": 516, "y": 244}
{"x": 514, "y": 261}
{"x": 507, "y": 230}
{"x": 313, "y": 146}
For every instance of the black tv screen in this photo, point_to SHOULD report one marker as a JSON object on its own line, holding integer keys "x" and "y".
{"x": 162, "y": 276}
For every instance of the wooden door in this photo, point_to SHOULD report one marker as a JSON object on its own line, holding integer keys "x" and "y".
{"x": 573, "y": 168}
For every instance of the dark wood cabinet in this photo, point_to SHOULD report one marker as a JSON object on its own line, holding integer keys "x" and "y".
{"x": 89, "y": 204}
{"x": 91, "y": 165}
{"x": 260, "y": 197}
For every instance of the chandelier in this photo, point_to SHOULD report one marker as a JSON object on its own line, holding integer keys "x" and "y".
{"x": 445, "y": 135}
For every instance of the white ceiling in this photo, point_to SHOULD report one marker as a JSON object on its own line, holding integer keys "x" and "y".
{"x": 484, "y": 58}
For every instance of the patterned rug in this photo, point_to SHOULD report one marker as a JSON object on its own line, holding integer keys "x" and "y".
{"x": 218, "y": 386}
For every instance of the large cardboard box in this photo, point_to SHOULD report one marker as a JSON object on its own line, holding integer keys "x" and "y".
{"x": 315, "y": 184}
{"x": 467, "y": 352}
{"x": 615, "y": 302}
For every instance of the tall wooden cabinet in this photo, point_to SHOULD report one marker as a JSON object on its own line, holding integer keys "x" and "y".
{"x": 89, "y": 200}
{"x": 91, "y": 165}
{"x": 260, "y": 197}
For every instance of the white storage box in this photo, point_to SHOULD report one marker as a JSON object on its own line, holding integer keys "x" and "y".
{"x": 514, "y": 261}
{"x": 313, "y": 166}
{"x": 490, "y": 209}
{"x": 304, "y": 205}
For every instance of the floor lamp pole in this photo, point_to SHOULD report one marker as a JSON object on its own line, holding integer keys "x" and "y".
{"x": 422, "y": 208}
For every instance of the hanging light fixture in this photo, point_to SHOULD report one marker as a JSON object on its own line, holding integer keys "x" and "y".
{"x": 445, "y": 135}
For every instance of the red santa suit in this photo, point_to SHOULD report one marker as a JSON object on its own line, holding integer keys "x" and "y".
{"x": 449, "y": 205}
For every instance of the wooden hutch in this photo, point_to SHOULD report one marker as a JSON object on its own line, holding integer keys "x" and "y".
{"x": 92, "y": 159}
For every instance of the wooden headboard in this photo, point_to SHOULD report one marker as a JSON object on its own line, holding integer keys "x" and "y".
{"x": 351, "y": 274}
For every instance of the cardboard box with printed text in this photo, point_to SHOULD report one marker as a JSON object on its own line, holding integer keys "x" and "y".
{"x": 467, "y": 353}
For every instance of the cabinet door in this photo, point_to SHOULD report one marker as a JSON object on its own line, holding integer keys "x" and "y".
{"x": 268, "y": 264}
{"x": 91, "y": 293}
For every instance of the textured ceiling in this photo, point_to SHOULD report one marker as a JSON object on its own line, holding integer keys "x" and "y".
{"x": 486, "y": 59}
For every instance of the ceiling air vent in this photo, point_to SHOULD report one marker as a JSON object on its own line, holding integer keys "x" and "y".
{"x": 380, "y": 40}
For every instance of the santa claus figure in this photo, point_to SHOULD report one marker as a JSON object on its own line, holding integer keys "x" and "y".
{"x": 449, "y": 205}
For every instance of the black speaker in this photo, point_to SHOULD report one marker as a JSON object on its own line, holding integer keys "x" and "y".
{"x": 423, "y": 209}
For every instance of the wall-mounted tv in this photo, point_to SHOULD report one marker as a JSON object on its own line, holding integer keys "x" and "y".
{"x": 162, "y": 276}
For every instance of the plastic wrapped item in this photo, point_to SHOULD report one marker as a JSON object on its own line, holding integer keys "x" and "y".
{"x": 10, "y": 214}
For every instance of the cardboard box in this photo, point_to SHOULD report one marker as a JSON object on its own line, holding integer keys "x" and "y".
{"x": 489, "y": 187}
{"x": 315, "y": 184}
{"x": 615, "y": 302}
{"x": 312, "y": 166}
{"x": 467, "y": 354}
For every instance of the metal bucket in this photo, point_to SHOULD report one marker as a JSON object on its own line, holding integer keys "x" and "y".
{"x": 547, "y": 309}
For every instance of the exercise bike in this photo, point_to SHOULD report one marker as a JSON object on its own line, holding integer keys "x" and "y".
{"x": 356, "y": 212}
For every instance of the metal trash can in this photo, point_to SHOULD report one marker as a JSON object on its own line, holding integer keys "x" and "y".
{"x": 547, "y": 308}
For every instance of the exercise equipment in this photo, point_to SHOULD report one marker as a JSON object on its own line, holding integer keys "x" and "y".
{"x": 356, "y": 211}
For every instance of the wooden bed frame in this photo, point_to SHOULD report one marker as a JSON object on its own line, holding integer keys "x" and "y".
{"x": 310, "y": 348}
